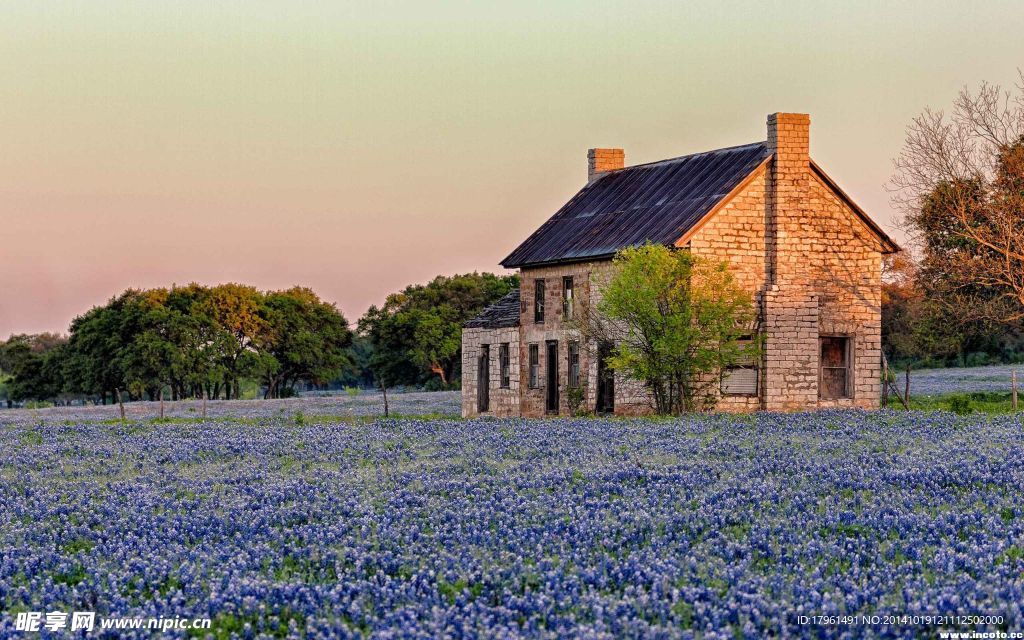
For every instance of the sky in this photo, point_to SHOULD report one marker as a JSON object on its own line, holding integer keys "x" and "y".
{"x": 357, "y": 147}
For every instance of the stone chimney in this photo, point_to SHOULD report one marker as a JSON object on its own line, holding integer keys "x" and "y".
{"x": 790, "y": 305}
{"x": 600, "y": 161}
{"x": 788, "y": 140}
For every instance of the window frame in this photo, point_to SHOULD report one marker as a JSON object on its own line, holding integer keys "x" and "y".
{"x": 568, "y": 298}
{"x": 533, "y": 358}
{"x": 573, "y": 352}
{"x": 539, "y": 294}
{"x": 504, "y": 374}
{"x": 848, "y": 351}
{"x": 751, "y": 364}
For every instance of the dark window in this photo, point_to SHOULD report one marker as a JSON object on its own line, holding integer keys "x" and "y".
{"x": 534, "y": 366}
{"x": 567, "y": 294}
{"x": 574, "y": 364}
{"x": 835, "y": 375}
{"x": 503, "y": 364}
{"x": 741, "y": 378}
{"x": 538, "y": 301}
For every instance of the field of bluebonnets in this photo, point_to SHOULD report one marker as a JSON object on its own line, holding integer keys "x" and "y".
{"x": 307, "y": 519}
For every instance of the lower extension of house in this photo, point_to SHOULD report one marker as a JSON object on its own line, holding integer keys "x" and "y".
{"x": 810, "y": 256}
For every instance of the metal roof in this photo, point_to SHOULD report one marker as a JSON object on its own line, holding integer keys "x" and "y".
{"x": 656, "y": 202}
{"x": 501, "y": 314}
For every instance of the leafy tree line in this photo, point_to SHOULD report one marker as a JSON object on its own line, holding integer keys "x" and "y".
{"x": 186, "y": 341}
{"x": 195, "y": 340}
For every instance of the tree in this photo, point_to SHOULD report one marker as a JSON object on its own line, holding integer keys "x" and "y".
{"x": 676, "y": 321}
{"x": 310, "y": 340}
{"x": 32, "y": 366}
{"x": 960, "y": 184}
{"x": 238, "y": 311}
{"x": 419, "y": 330}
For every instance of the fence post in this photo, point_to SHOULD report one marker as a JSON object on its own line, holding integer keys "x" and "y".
{"x": 906, "y": 390}
{"x": 885, "y": 382}
{"x": 120, "y": 402}
{"x": 1013, "y": 378}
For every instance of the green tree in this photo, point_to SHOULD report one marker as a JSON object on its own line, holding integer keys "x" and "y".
{"x": 309, "y": 341}
{"x": 238, "y": 310}
{"x": 31, "y": 366}
{"x": 417, "y": 334}
{"x": 676, "y": 321}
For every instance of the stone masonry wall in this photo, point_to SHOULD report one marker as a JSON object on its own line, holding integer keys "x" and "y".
{"x": 815, "y": 268}
{"x": 553, "y": 328}
{"x": 503, "y": 401}
{"x": 736, "y": 234}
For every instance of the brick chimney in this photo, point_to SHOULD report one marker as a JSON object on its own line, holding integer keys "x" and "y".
{"x": 788, "y": 140}
{"x": 600, "y": 161}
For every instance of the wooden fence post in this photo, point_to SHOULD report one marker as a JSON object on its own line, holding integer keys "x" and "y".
{"x": 204, "y": 402}
{"x": 120, "y": 402}
{"x": 906, "y": 390}
{"x": 1013, "y": 378}
{"x": 885, "y": 382}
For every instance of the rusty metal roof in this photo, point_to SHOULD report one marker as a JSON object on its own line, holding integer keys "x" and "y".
{"x": 501, "y": 314}
{"x": 656, "y": 202}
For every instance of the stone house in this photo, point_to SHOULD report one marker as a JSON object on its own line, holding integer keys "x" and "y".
{"x": 811, "y": 257}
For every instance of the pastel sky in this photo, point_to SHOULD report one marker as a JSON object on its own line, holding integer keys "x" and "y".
{"x": 356, "y": 147}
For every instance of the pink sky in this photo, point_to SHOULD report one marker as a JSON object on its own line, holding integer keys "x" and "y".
{"x": 360, "y": 148}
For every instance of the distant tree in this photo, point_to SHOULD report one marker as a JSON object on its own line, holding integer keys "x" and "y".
{"x": 676, "y": 321}
{"x": 960, "y": 184}
{"x": 309, "y": 341}
{"x": 93, "y": 364}
{"x": 238, "y": 311}
{"x": 31, "y": 364}
{"x": 418, "y": 332}
{"x": 357, "y": 372}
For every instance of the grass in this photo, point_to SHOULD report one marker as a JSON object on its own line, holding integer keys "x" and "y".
{"x": 988, "y": 402}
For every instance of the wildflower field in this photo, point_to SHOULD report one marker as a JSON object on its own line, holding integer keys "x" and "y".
{"x": 292, "y": 524}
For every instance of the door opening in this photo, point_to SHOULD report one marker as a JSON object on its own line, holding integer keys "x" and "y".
{"x": 483, "y": 380}
{"x": 605, "y": 380}
{"x": 551, "y": 404}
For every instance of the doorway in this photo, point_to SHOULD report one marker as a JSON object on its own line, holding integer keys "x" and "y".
{"x": 483, "y": 380}
{"x": 551, "y": 397}
{"x": 605, "y": 380}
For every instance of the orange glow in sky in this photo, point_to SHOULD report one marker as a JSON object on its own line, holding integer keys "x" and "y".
{"x": 362, "y": 146}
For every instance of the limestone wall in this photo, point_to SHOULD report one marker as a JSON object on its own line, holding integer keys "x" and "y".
{"x": 503, "y": 401}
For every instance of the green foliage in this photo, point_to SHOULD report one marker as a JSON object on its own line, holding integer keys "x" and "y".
{"x": 31, "y": 366}
{"x": 417, "y": 334}
{"x": 185, "y": 342}
{"x": 676, "y": 320}
{"x": 575, "y": 397}
{"x": 960, "y": 403}
{"x": 989, "y": 402}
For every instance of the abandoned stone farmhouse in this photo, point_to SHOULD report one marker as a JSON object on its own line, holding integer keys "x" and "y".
{"x": 809, "y": 255}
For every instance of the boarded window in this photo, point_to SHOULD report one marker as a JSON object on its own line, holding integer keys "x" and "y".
{"x": 538, "y": 301}
{"x": 835, "y": 375}
{"x": 567, "y": 298}
{"x": 504, "y": 365}
{"x": 534, "y": 366}
{"x": 574, "y": 364}
{"x": 741, "y": 378}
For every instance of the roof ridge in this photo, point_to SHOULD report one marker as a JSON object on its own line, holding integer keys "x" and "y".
{"x": 687, "y": 156}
